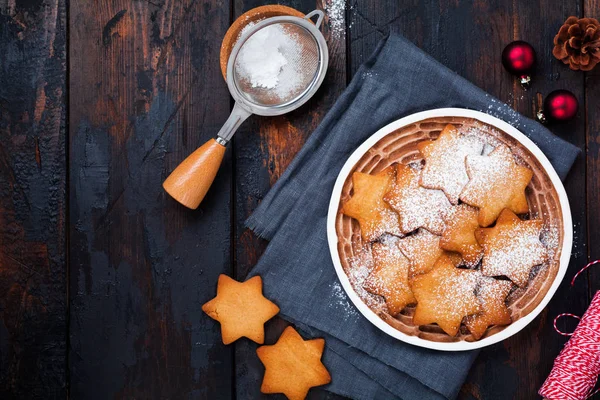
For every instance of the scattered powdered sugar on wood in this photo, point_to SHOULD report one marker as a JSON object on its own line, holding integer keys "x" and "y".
{"x": 336, "y": 12}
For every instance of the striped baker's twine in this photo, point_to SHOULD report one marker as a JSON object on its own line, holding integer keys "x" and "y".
{"x": 577, "y": 367}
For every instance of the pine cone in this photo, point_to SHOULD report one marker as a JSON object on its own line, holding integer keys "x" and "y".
{"x": 578, "y": 43}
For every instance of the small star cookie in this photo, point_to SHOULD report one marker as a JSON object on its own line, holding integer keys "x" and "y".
{"x": 445, "y": 295}
{"x": 389, "y": 277}
{"x": 422, "y": 249}
{"x": 445, "y": 161}
{"x": 293, "y": 365}
{"x": 459, "y": 235}
{"x": 512, "y": 247}
{"x": 492, "y": 295}
{"x": 416, "y": 206}
{"x": 241, "y": 309}
{"x": 496, "y": 182}
{"x": 374, "y": 216}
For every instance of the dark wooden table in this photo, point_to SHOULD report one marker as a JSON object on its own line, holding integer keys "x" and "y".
{"x": 102, "y": 275}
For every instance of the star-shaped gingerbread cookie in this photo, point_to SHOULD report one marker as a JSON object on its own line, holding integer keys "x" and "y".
{"x": 241, "y": 309}
{"x": 459, "y": 234}
{"x": 422, "y": 250}
{"x": 366, "y": 205}
{"x": 389, "y": 277}
{"x": 445, "y": 161}
{"x": 417, "y": 207}
{"x": 492, "y": 295}
{"x": 445, "y": 295}
{"x": 293, "y": 365}
{"x": 512, "y": 247}
{"x": 496, "y": 182}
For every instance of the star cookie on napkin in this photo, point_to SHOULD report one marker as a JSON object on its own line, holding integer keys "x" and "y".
{"x": 496, "y": 182}
{"x": 445, "y": 161}
{"x": 459, "y": 234}
{"x": 492, "y": 295}
{"x": 445, "y": 295}
{"x": 389, "y": 277}
{"x": 241, "y": 309}
{"x": 512, "y": 247}
{"x": 417, "y": 207}
{"x": 366, "y": 205}
{"x": 293, "y": 365}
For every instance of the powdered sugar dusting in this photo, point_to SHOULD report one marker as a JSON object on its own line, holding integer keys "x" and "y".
{"x": 512, "y": 250}
{"x": 336, "y": 12}
{"x": 422, "y": 249}
{"x": 455, "y": 293}
{"x": 341, "y": 302}
{"x": 550, "y": 238}
{"x": 488, "y": 170}
{"x": 445, "y": 162}
{"x": 417, "y": 206}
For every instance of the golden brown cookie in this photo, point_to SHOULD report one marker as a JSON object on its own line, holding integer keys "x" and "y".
{"x": 241, "y": 309}
{"x": 445, "y": 295}
{"x": 416, "y": 206}
{"x": 389, "y": 277}
{"x": 422, "y": 250}
{"x": 512, "y": 247}
{"x": 445, "y": 161}
{"x": 492, "y": 295}
{"x": 496, "y": 182}
{"x": 374, "y": 215}
{"x": 293, "y": 365}
{"x": 459, "y": 234}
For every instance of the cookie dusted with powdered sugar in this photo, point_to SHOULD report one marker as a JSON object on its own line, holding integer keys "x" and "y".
{"x": 445, "y": 161}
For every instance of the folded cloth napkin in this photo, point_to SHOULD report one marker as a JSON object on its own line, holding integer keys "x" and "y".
{"x": 399, "y": 79}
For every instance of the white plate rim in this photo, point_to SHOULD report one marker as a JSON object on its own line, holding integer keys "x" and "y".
{"x": 332, "y": 239}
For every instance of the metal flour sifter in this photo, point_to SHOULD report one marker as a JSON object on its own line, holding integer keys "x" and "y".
{"x": 190, "y": 181}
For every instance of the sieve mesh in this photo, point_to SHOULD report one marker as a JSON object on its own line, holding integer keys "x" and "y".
{"x": 294, "y": 78}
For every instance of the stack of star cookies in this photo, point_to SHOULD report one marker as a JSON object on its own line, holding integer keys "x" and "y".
{"x": 451, "y": 234}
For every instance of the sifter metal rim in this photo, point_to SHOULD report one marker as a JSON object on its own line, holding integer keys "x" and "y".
{"x": 310, "y": 90}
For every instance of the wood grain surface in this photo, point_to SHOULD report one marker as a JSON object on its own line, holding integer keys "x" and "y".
{"x": 33, "y": 168}
{"x": 145, "y": 91}
{"x": 102, "y": 274}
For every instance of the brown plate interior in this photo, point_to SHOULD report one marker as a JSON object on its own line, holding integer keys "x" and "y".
{"x": 401, "y": 146}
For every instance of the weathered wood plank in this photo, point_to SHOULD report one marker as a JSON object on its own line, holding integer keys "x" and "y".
{"x": 263, "y": 149}
{"x": 591, "y": 106}
{"x": 469, "y": 38}
{"x": 529, "y": 355}
{"x": 145, "y": 92}
{"x": 33, "y": 288}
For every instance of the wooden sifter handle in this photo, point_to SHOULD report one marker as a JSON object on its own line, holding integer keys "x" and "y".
{"x": 190, "y": 181}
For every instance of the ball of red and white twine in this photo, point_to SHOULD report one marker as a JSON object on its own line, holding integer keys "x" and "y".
{"x": 577, "y": 367}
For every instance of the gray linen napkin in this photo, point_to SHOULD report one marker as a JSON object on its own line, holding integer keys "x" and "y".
{"x": 399, "y": 79}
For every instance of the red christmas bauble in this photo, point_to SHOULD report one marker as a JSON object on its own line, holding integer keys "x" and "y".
{"x": 560, "y": 105}
{"x": 518, "y": 58}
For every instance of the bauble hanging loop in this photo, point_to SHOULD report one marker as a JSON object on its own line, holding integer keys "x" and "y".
{"x": 518, "y": 58}
{"x": 559, "y": 106}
